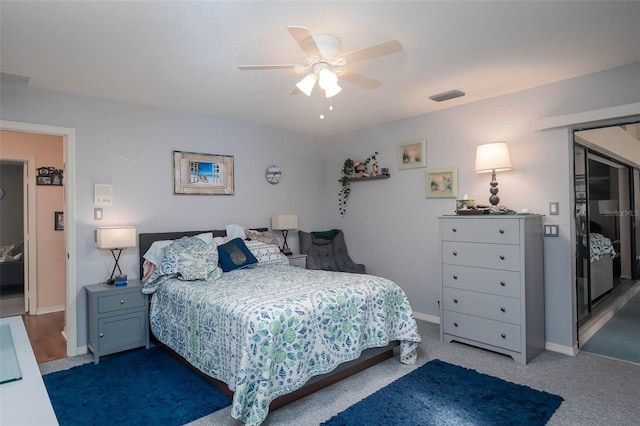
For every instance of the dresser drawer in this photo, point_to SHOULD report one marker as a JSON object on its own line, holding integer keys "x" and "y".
{"x": 492, "y": 281}
{"x": 490, "y": 332}
{"x": 498, "y": 231}
{"x": 118, "y": 302}
{"x": 483, "y": 305}
{"x": 494, "y": 256}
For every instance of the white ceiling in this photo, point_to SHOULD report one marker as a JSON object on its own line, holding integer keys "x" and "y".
{"x": 184, "y": 55}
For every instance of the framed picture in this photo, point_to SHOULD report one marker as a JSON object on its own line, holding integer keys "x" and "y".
{"x": 412, "y": 154}
{"x": 58, "y": 221}
{"x": 442, "y": 183}
{"x": 203, "y": 174}
{"x": 49, "y": 176}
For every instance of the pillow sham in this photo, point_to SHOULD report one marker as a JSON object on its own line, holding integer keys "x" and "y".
{"x": 267, "y": 254}
{"x": 189, "y": 259}
{"x": 158, "y": 248}
{"x": 235, "y": 231}
{"x": 265, "y": 236}
{"x": 234, "y": 255}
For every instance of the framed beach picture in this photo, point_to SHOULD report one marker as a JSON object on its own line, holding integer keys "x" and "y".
{"x": 412, "y": 154}
{"x": 203, "y": 174}
{"x": 442, "y": 183}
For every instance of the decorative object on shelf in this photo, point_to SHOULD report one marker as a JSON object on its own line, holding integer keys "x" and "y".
{"x": 273, "y": 174}
{"x": 116, "y": 238}
{"x": 285, "y": 223}
{"x": 412, "y": 154}
{"x": 58, "y": 221}
{"x": 493, "y": 157}
{"x": 49, "y": 176}
{"x": 355, "y": 170}
{"x": 442, "y": 183}
{"x": 205, "y": 174}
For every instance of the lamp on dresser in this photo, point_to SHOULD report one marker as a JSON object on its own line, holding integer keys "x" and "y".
{"x": 493, "y": 157}
{"x": 284, "y": 223}
{"x": 116, "y": 238}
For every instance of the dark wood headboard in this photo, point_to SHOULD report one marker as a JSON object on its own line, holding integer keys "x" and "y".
{"x": 146, "y": 239}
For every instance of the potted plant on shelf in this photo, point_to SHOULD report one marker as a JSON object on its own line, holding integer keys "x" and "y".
{"x": 345, "y": 180}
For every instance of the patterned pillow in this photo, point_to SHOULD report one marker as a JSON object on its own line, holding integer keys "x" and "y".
{"x": 234, "y": 255}
{"x": 266, "y": 237}
{"x": 189, "y": 259}
{"x": 156, "y": 252}
{"x": 267, "y": 254}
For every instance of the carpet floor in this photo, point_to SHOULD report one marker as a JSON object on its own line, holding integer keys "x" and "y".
{"x": 619, "y": 338}
{"x": 142, "y": 387}
{"x": 439, "y": 393}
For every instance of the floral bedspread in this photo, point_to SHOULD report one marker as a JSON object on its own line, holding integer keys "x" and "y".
{"x": 266, "y": 330}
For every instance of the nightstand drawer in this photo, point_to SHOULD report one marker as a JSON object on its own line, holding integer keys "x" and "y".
{"x": 491, "y": 281}
{"x": 483, "y": 305}
{"x": 499, "y": 231}
{"x": 299, "y": 260}
{"x": 119, "y": 302}
{"x": 495, "y": 333}
{"x": 118, "y": 333}
{"x": 494, "y": 256}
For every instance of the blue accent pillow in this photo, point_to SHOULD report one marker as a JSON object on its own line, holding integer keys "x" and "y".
{"x": 234, "y": 255}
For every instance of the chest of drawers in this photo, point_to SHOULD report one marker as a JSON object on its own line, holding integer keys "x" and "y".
{"x": 493, "y": 283}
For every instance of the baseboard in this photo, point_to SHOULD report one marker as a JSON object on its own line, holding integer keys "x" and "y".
{"x": 50, "y": 309}
{"x": 426, "y": 317}
{"x": 566, "y": 350}
{"x": 82, "y": 350}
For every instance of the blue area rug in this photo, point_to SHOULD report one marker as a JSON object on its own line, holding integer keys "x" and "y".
{"x": 143, "y": 387}
{"x": 619, "y": 338}
{"x": 440, "y": 394}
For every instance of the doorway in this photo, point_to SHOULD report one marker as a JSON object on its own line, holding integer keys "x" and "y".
{"x": 68, "y": 134}
{"x": 607, "y": 242}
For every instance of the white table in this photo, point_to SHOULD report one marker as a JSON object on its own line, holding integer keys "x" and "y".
{"x": 25, "y": 401}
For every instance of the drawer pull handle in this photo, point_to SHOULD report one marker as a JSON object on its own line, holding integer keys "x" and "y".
{"x": 122, "y": 302}
{"x": 454, "y": 229}
{"x": 503, "y": 310}
{"x": 504, "y": 336}
{"x": 501, "y": 231}
{"x": 455, "y": 300}
{"x": 455, "y": 277}
{"x": 455, "y": 324}
{"x": 501, "y": 257}
{"x": 502, "y": 283}
{"x": 455, "y": 253}
{"x": 101, "y": 335}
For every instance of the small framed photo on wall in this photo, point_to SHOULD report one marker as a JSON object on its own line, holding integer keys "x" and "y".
{"x": 58, "y": 223}
{"x": 442, "y": 183}
{"x": 412, "y": 154}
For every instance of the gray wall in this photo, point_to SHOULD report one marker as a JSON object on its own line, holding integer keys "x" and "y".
{"x": 389, "y": 226}
{"x": 11, "y": 206}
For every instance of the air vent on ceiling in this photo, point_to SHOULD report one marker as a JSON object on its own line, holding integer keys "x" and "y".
{"x": 445, "y": 96}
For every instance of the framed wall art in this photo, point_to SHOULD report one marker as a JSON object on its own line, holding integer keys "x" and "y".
{"x": 412, "y": 154}
{"x": 58, "y": 221}
{"x": 49, "y": 176}
{"x": 442, "y": 183}
{"x": 202, "y": 174}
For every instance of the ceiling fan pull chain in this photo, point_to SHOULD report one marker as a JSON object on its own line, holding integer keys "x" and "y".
{"x": 321, "y": 109}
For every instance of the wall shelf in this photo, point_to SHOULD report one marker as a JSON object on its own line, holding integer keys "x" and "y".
{"x": 356, "y": 179}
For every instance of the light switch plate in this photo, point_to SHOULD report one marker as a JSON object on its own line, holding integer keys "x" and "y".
{"x": 551, "y": 231}
{"x": 554, "y": 208}
{"x": 97, "y": 213}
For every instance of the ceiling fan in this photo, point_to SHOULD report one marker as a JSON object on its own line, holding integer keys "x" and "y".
{"x": 325, "y": 65}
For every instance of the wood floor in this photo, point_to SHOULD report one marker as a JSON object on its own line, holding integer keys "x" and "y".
{"x": 45, "y": 335}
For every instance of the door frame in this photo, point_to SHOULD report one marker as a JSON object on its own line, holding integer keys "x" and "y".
{"x": 69, "y": 136}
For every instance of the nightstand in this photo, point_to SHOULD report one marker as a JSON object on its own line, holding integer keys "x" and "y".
{"x": 118, "y": 318}
{"x": 299, "y": 260}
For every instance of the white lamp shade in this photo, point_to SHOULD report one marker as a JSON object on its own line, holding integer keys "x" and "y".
{"x": 332, "y": 90}
{"x": 116, "y": 237}
{"x": 327, "y": 78}
{"x": 492, "y": 156}
{"x": 284, "y": 221}
{"x": 306, "y": 84}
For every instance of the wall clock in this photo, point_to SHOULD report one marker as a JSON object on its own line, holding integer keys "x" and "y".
{"x": 273, "y": 174}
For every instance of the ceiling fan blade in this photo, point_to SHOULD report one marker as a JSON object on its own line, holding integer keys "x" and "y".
{"x": 303, "y": 37}
{"x": 267, "y": 67}
{"x": 296, "y": 91}
{"x": 382, "y": 49}
{"x": 360, "y": 80}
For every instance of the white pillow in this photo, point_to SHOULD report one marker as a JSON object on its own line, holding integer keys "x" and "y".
{"x": 157, "y": 249}
{"x": 235, "y": 231}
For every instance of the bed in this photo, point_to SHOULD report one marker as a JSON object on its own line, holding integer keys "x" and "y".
{"x": 270, "y": 333}
{"x": 12, "y": 265}
{"x": 601, "y": 254}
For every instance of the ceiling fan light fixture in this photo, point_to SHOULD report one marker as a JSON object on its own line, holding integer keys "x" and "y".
{"x": 332, "y": 90}
{"x": 306, "y": 84}
{"x": 327, "y": 78}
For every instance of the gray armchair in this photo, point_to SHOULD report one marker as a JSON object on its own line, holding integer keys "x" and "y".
{"x": 328, "y": 250}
